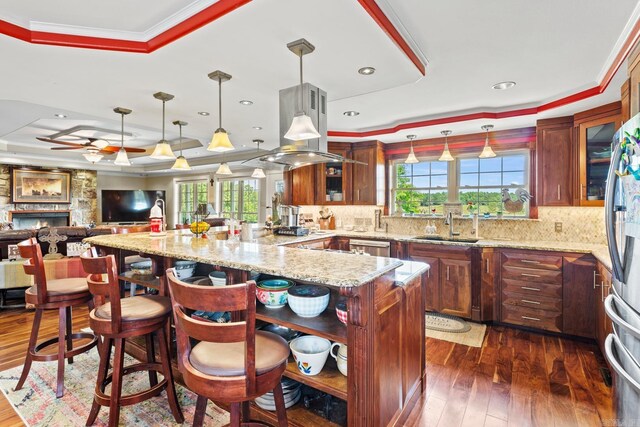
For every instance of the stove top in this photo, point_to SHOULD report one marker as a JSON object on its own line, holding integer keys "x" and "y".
{"x": 292, "y": 231}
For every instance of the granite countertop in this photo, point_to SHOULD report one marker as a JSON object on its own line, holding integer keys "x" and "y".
{"x": 599, "y": 251}
{"x": 328, "y": 268}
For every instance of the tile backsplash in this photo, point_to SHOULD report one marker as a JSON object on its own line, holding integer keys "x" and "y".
{"x": 579, "y": 224}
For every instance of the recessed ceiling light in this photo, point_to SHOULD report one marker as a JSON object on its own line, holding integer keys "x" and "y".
{"x": 367, "y": 71}
{"x": 257, "y": 127}
{"x": 61, "y": 116}
{"x": 203, "y": 113}
{"x": 244, "y": 145}
{"x": 351, "y": 113}
{"x": 246, "y": 102}
{"x": 503, "y": 85}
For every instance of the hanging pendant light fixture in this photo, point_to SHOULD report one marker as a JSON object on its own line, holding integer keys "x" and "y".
{"x": 220, "y": 141}
{"x": 224, "y": 169}
{"x": 163, "y": 150}
{"x": 302, "y": 127}
{"x": 181, "y": 163}
{"x": 487, "y": 152}
{"x": 122, "y": 159}
{"x": 258, "y": 172}
{"x": 93, "y": 155}
{"x": 446, "y": 155}
{"x": 411, "y": 158}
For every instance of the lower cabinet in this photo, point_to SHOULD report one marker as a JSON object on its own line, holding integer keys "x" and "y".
{"x": 601, "y": 289}
{"x": 579, "y": 280}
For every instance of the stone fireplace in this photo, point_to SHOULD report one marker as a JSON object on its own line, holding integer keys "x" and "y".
{"x": 23, "y": 220}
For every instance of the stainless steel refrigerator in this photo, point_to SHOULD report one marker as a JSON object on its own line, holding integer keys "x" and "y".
{"x": 622, "y": 213}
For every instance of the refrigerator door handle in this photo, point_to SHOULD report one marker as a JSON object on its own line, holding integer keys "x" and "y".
{"x": 608, "y": 349}
{"x": 615, "y": 317}
{"x": 610, "y": 190}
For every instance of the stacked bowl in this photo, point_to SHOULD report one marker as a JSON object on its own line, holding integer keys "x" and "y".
{"x": 273, "y": 293}
{"x": 292, "y": 391}
{"x": 308, "y": 300}
{"x": 185, "y": 269}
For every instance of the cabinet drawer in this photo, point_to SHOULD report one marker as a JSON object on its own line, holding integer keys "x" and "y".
{"x": 532, "y": 275}
{"x": 532, "y": 260}
{"x": 539, "y": 319}
{"x": 532, "y": 289}
{"x": 535, "y": 302}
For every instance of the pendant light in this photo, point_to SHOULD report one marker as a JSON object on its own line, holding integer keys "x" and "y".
{"x": 487, "y": 152}
{"x": 224, "y": 169}
{"x": 163, "y": 150}
{"x": 301, "y": 128}
{"x": 446, "y": 155}
{"x": 411, "y": 158}
{"x": 258, "y": 172}
{"x": 220, "y": 141}
{"x": 181, "y": 163}
{"x": 122, "y": 159}
{"x": 93, "y": 155}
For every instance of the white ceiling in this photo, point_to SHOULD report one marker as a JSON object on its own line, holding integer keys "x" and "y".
{"x": 549, "y": 48}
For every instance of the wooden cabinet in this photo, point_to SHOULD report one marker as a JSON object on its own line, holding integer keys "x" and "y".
{"x": 368, "y": 179}
{"x": 488, "y": 278}
{"x": 448, "y": 285}
{"x": 601, "y": 289}
{"x": 300, "y": 186}
{"x": 579, "y": 280}
{"x": 595, "y": 129}
{"x": 554, "y": 160}
{"x": 334, "y": 179}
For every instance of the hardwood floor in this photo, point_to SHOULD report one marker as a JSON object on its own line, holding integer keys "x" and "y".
{"x": 517, "y": 378}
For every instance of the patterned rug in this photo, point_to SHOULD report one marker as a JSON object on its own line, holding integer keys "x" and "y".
{"x": 37, "y": 405}
{"x": 453, "y": 329}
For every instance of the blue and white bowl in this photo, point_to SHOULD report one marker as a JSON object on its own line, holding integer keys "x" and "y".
{"x": 308, "y": 300}
{"x": 185, "y": 269}
{"x": 218, "y": 278}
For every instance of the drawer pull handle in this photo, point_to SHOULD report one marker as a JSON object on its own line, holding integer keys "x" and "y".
{"x": 531, "y": 318}
{"x": 530, "y": 275}
{"x": 448, "y": 273}
{"x": 529, "y": 261}
{"x": 530, "y": 289}
{"x": 530, "y": 302}
{"x": 487, "y": 263}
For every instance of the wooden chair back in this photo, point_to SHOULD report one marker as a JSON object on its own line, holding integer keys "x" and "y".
{"x": 102, "y": 278}
{"x": 34, "y": 266}
{"x": 187, "y": 298}
{"x": 131, "y": 229}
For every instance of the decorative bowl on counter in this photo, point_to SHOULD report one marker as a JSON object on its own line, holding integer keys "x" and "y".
{"x": 142, "y": 268}
{"x": 273, "y": 293}
{"x": 308, "y": 300}
{"x": 310, "y": 353}
{"x": 341, "y": 311}
{"x": 185, "y": 269}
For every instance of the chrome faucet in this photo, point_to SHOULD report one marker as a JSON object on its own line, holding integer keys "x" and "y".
{"x": 449, "y": 221}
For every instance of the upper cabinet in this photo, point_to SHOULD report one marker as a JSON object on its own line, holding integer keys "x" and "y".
{"x": 334, "y": 179}
{"x": 300, "y": 186}
{"x": 368, "y": 179}
{"x": 595, "y": 129}
{"x": 554, "y": 162}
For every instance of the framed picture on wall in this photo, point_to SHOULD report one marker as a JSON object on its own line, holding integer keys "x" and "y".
{"x": 40, "y": 186}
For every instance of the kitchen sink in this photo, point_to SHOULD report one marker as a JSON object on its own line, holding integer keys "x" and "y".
{"x": 447, "y": 239}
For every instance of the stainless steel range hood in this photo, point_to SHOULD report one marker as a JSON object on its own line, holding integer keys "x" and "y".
{"x": 302, "y": 153}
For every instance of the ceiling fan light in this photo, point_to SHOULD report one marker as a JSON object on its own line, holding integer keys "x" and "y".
{"x": 93, "y": 157}
{"x": 224, "y": 169}
{"x": 487, "y": 152}
{"x": 220, "y": 141}
{"x": 411, "y": 158}
{"x": 100, "y": 143}
{"x": 163, "y": 151}
{"x": 258, "y": 173}
{"x": 302, "y": 129}
{"x": 181, "y": 164}
{"x": 122, "y": 159}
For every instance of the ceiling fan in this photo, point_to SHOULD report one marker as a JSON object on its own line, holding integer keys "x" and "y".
{"x": 92, "y": 143}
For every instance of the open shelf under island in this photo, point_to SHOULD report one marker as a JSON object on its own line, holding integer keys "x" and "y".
{"x": 384, "y": 332}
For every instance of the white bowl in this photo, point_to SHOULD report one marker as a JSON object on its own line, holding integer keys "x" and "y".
{"x": 308, "y": 300}
{"x": 218, "y": 278}
{"x": 310, "y": 353}
{"x": 185, "y": 269}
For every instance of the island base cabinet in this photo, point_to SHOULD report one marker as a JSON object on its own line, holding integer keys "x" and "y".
{"x": 386, "y": 351}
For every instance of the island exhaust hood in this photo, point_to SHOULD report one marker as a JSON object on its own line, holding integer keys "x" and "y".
{"x": 302, "y": 153}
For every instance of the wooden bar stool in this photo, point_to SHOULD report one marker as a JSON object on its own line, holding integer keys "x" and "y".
{"x": 60, "y": 294}
{"x": 231, "y": 363}
{"x": 116, "y": 320}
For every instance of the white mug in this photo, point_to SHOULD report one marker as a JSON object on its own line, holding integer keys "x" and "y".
{"x": 341, "y": 357}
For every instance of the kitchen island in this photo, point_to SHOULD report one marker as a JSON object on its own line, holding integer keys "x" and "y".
{"x": 384, "y": 332}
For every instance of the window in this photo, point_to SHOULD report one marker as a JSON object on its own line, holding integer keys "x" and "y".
{"x": 240, "y": 199}
{"x": 421, "y": 188}
{"x": 191, "y": 194}
{"x": 481, "y": 182}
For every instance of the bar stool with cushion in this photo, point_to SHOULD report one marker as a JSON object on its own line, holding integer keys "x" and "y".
{"x": 60, "y": 294}
{"x": 231, "y": 363}
{"x": 116, "y": 320}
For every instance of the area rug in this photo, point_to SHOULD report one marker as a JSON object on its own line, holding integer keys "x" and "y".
{"x": 37, "y": 405}
{"x": 453, "y": 329}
